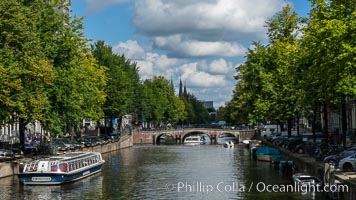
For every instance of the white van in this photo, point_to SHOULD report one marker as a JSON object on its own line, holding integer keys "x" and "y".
{"x": 270, "y": 129}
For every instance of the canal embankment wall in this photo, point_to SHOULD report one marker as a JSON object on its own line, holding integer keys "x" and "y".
{"x": 12, "y": 167}
{"x": 316, "y": 167}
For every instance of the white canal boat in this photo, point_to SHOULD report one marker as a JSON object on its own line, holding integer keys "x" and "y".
{"x": 305, "y": 179}
{"x": 61, "y": 169}
{"x": 194, "y": 140}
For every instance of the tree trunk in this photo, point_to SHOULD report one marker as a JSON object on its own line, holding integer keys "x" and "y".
{"x": 326, "y": 124}
{"x": 298, "y": 119}
{"x": 289, "y": 127}
{"x": 343, "y": 121}
{"x": 105, "y": 126}
{"x": 22, "y": 133}
{"x": 315, "y": 111}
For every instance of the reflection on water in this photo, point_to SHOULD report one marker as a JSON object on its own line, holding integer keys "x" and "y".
{"x": 90, "y": 188}
{"x": 168, "y": 172}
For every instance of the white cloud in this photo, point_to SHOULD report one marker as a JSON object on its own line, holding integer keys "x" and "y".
{"x": 178, "y": 47}
{"x": 219, "y": 94}
{"x": 131, "y": 49}
{"x": 206, "y": 79}
{"x": 193, "y": 77}
{"x": 154, "y": 65}
{"x": 220, "y": 67}
{"x": 203, "y": 28}
{"x": 150, "y": 64}
{"x": 165, "y": 17}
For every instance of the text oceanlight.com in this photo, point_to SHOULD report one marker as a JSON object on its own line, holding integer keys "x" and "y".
{"x": 201, "y": 187}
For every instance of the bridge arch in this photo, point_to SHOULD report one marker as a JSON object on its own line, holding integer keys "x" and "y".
{"x": 214, "y": 135}
{"x": 166, "y": 138}
{"x": 192, "y": 133}
{"x": 225, "y": 136}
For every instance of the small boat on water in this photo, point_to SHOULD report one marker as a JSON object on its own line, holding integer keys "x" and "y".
{"x": 252, "y": 143}
{"x": 61, "y": 169}
{"x": 194, "y": 140}
{"x": 225, "y": 137}
{"x": 229, "y": 144}
{"x": 268, "y": 154}
{"x": 305, "y": 179}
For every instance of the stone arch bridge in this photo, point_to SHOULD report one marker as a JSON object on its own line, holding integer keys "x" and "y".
{"x": 153, "y": 136}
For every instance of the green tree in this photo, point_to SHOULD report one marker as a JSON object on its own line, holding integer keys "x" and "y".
{"x": 196, "y": 112}
{"x": 26, "y": 71}
{"x": 268, "y": 80}
{"x": 160, "y": 103}
{"x": 282, "y": 31}
{"x": 117, "y": 101}
{"x": 77, "y": 92}
{"x": 329, "y": 47}
{"x": 251, "y": 100}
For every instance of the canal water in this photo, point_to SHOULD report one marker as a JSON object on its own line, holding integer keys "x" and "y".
{"x": 170, "y": 172}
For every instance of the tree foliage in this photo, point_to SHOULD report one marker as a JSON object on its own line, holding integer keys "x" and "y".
{"x": 160, "y": 105}
{"x": 307, "y": 62}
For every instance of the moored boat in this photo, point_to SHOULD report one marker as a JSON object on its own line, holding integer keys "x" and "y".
{"x": 305, "y": 179}
{"x": 194, "y": 140}
{"x": 252, "y": 143}
{"x": 61, "y": 169}
{"x": 229, "y": 144}
{"x": 225, "y": 137}
{"x": 268, "y": 154}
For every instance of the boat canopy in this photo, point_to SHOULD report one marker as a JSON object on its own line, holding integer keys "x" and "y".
{"x": 268, "y": 151}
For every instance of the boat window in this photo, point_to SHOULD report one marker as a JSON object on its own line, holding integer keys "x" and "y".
{"x": 54, "y": 168}
{"x": 32, "y": 166}
{"x": 63, "y": 167}
{"x": 86, "y": 162}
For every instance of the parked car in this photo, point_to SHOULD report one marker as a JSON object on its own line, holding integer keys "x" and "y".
{"x": 115, "y": 137}
{"x": 17, "y": 153}
{"x": 78, "y": 144}
{"x": 334, "y": 159}
{"x": 6, "y": 154}
{"x": 348, "y": 163}
{"x": 15, "y": 148}
{"x": 29, "y": 149}
{"x": 69, "y": 144}
{"x": 59, "y": 145}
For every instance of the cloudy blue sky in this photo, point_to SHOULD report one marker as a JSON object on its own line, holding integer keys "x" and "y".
{"x": 199, "y": 41}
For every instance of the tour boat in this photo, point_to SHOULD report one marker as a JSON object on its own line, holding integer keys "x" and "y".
{"x": 305, "y": 179}
{"x": 194, "y": 140}
{"x": 61, "y": 169}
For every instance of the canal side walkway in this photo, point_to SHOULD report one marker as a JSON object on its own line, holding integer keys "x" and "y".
{"x": 12, "y": 168}
{"x": 318, "y": 167}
